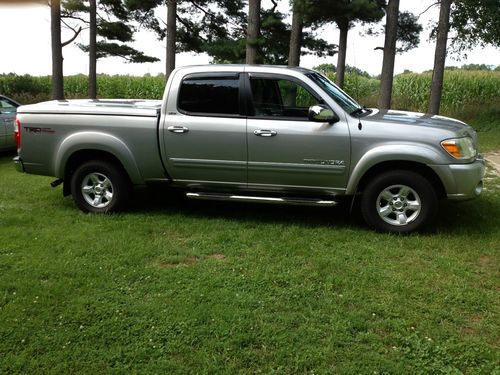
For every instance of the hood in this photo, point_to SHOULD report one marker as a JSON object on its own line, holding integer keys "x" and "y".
{"x": 421, "y": 119}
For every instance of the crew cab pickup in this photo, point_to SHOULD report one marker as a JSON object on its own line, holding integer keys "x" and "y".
{"x": 253, "y": 133}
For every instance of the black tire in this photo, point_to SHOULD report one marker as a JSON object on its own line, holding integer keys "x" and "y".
{"x": 413, "y": 206}
{"x": 100, "y": 186}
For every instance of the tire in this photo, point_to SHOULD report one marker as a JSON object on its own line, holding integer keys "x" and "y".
{"x": 100, "y": 186}
{"x": 399, "y": 202}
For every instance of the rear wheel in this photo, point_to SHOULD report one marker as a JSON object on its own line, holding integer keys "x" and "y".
{"x": 100, "y": 186}
{"x": 399, "y": 201}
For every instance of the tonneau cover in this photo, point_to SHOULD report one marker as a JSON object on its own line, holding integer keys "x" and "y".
{"x": 119, "y": 107}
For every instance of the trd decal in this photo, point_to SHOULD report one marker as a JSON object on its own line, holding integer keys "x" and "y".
{"x": 32, "y": 129}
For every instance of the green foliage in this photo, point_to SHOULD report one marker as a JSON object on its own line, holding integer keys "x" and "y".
{"x": 475, "y": 23}
{"x": 346, "y": 12}
{"x": 408, "y": 32}
{"x": 478, "y": 67}
{"x": 129, "y": 54}
{"x": 113, "y": 24}
{"x": 330, "y": 68}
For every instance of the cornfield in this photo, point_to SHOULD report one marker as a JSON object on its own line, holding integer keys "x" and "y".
{"x": 410, "y": 90}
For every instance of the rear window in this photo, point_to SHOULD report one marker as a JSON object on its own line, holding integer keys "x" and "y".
{"x": 210, "y": 95}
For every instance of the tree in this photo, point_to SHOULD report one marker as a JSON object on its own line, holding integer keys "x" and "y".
{"x": 222, "y": 34}
{"x": 253, "y": 32}
{"x": 57, "y": 58}
{"x": 440, "y": 57}
{"x": 387, "y": 76}
{"x": 296, "y": 32}
{"x": 110, "y": 21}
{"x": 171, "y": 37}
{"x": 344, "y": 13}
{"x": 92, "y": 49}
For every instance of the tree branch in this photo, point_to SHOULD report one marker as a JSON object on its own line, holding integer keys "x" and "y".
{"x": 77, "y": 32}
{"x": 67, "y": 15}
{"x": 275, "y": 4}
{"x": 187, "y": 26}
{"x": 429, "y": 7}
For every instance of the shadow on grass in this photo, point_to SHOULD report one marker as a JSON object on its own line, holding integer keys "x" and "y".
{"x": 454, "y": 217}
{"x": 155, "y": 201}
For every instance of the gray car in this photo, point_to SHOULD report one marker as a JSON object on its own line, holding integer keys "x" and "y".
{"x": 8, "y": 110}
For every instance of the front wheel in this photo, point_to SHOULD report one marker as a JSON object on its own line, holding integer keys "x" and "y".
{"x": 399, "y": 201}
{"x": 99, "y": 186}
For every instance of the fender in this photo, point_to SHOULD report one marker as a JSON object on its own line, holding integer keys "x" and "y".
{"x": 392, "y": 152}
{"x": 96, "y": 141}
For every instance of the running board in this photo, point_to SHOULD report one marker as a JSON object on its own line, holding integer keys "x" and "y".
{"x": 275, "y": 200}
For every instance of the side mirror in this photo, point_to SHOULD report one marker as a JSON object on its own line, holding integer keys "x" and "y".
{"x": 321, "y": 113}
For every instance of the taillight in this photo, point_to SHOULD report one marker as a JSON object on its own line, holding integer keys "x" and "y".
{"x": 17, "y": 133}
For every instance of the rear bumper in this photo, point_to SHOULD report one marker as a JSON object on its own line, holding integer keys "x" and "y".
{"x": 462, "y": 181}
{"x": 18, "y": 163}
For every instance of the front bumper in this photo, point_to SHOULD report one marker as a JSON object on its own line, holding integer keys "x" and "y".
{"x": 18, "y": 163}
{"x": 462, "y": 181}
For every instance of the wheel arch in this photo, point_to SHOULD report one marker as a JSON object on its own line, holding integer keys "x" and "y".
{"x": 81, "y": 156}
{"x": 392, "y": 165}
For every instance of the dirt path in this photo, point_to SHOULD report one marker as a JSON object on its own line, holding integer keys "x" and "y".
{"x": 493, "y": 162}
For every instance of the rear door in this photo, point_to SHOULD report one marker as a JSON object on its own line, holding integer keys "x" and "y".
{"x": 285, "y": 149}
{"x": 7, "y": 118}
{"x": 205, "y": 135}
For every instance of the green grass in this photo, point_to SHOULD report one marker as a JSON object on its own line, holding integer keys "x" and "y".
{"x": 174, "y": 286}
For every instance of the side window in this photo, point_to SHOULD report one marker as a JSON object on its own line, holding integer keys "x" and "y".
{"x": 217, "y": 95}
{"x": 6, "y": 106}
{"x": 280, "y": 98}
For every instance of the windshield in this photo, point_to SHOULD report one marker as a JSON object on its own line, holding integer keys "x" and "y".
{"x": 347, "y": 103}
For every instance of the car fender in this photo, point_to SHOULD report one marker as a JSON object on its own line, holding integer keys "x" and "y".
{"x": 100, "y": 142}
{"x": 389, "y": 153}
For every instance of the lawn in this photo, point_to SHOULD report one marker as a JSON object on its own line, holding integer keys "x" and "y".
{"x": 174, "y": 286}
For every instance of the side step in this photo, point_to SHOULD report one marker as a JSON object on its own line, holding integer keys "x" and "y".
{"x": 275, "y": 200}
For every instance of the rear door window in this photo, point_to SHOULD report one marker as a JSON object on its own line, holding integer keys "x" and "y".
{"x": 210, "y": 95}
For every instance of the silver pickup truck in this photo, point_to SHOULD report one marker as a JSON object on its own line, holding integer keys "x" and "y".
{"x": 253, "y": 133}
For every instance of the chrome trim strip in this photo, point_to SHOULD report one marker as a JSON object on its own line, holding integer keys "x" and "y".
{"x": 248, "y": 198}
{"x": 295, "y": 167}
{"x": 207, "y": 163}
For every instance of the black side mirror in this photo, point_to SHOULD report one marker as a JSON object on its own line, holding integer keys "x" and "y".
{"x": 321, "y": 113}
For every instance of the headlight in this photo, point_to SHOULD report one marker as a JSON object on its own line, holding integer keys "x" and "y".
{"x": 460, "y": 148}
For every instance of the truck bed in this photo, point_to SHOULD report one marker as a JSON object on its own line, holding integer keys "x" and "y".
{"x": 123, "y": 107}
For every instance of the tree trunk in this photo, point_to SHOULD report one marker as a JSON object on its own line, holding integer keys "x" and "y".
{"x": 253, "y": 32}
{"x": 387, "y": 76}
{"x": 57, "y": 58}
{"x": 171, "y": 36}
{"x": 93, "y": 50}
{"x": 295, "y": 37}
{"x": 344, "y": 28}
{"x": 440, "y": 57}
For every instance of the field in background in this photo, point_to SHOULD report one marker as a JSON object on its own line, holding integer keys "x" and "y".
{"x": 462, "y": 88}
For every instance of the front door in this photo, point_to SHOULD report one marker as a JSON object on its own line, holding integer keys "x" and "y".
{"x": 205, "y": 138}
{"x": 285, "y": 149}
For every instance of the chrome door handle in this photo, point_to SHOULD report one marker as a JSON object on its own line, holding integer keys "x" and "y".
{"x": 178, "y": 129}
{"x": 265, "y": 133}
